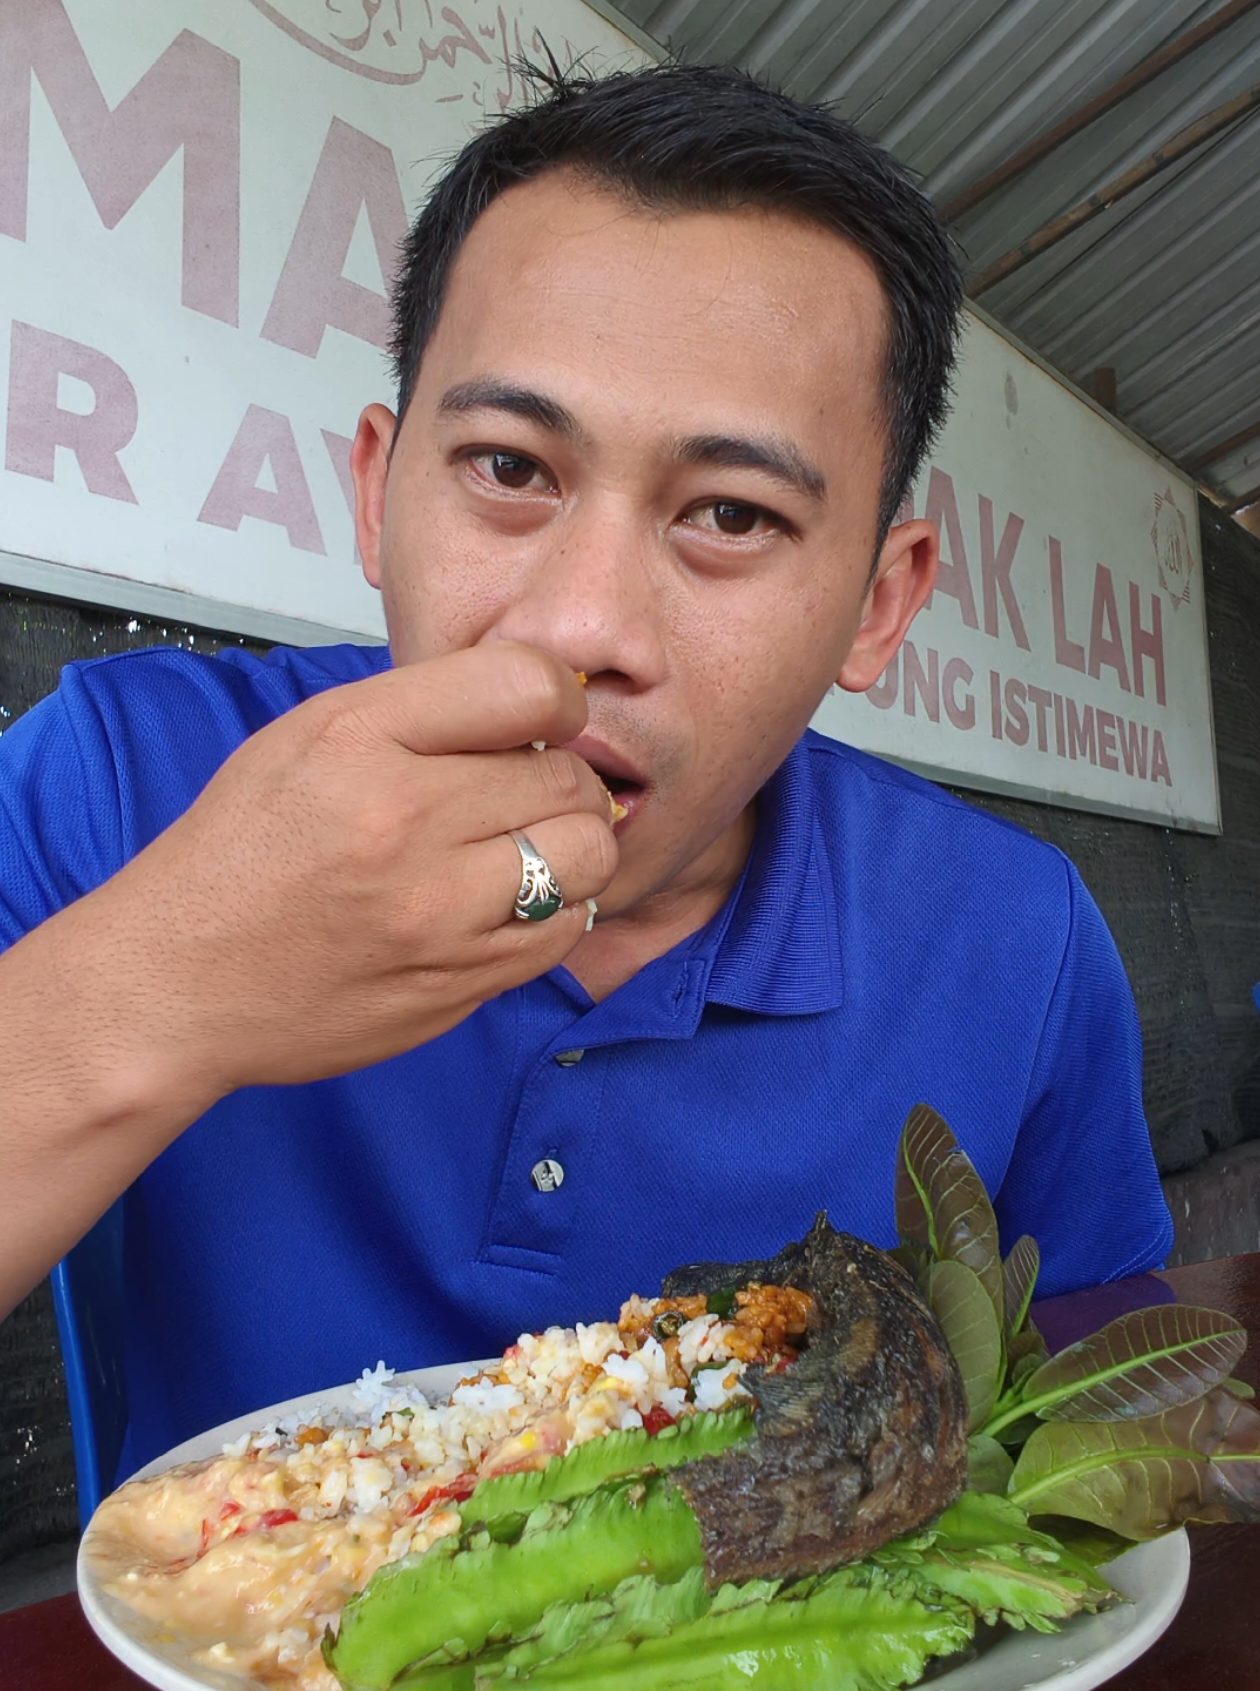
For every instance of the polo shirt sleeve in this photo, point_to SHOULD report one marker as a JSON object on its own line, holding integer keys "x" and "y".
{"x": 1082, "y": 1178}
{"x": 60, "y": 828}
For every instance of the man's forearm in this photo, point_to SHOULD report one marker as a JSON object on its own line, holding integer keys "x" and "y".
{"x": 90, "y": 1089}
{"x": 341, "y": 891}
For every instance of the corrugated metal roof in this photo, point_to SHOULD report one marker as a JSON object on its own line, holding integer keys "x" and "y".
{"x": 1165, "y": 285}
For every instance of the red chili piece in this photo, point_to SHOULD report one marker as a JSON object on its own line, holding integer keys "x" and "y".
{"x": 459, "y": 1491}
{"x": 271, "y": 1518}
{"x": 657, "y": 1419}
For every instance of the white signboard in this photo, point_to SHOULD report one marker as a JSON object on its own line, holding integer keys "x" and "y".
{"x": 1063, "y": 655}
{"x": 199, "y": 202}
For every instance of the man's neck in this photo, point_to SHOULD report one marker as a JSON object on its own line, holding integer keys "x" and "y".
{"x": 617, "y": 948}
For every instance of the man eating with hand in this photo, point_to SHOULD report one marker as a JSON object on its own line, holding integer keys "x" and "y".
{"x": 670, "y": 349}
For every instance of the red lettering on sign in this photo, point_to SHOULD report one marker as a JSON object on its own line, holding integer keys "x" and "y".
{"x": 953, "y": 577}
{"x": 189, "y": 99}
{"x": 995, "y": 573}
{"x": 354, "y": 172}
{"x": 1085, "y": 732}
{"x": 1134, "y": 738}
{"x": 1106, "y": 740}
{"x": 1146, "y": 645}
{"x": 1081, "y": 733}
{"x": 1016, "y": 715}
{"x": 38, "y": 424}
{"x": 928, "y": 686}
{"x": 1066, "y": 652}
{"x": 1106, "y": 645}
{"x": 265, "y": 438}
{"x": 961, "y": 715}
{"x": 1159, "y": 760}
{"x": 1042, "y": 699}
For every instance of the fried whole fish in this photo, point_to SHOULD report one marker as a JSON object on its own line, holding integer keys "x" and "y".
{"x": 862, "y": 1439}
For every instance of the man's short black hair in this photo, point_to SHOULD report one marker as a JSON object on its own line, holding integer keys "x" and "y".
{"x": 704, "y": 138}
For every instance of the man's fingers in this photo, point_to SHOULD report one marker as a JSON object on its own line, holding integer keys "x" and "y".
{"x": 522, "y": 951}
{"x": 580, "y": 850}
{"x": 488, "y": 698}
{"x": 484, "y": 794}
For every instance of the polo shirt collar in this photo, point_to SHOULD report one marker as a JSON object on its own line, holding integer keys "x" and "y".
{"x": 772, "y": 950}
{"x": 777, "y": 951}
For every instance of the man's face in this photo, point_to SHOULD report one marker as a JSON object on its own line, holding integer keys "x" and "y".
{"x": 654, "y": 446}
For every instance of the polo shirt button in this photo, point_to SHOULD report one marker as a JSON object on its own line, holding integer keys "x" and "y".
{"x": 567, "y": 1059}
{"x": 547, "y": 1175}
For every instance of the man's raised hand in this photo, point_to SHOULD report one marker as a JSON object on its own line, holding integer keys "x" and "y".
{"x": 343, "y": 889}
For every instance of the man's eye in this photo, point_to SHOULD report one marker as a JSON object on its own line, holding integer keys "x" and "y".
{"x": 726, "y": 516}
{"x": 510, "y": 469}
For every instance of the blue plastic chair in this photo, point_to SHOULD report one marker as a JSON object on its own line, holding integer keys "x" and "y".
{"x": 87, "y": 1287}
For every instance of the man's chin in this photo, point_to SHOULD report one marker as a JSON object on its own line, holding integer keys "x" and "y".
{"x": 622, "y": 897}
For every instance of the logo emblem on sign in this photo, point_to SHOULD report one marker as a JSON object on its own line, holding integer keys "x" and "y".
{"x": 1174, "y": 560}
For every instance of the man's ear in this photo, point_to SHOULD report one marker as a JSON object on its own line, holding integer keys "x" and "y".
{"x": 369, "y": 465}
{"x": 904, "y": 577}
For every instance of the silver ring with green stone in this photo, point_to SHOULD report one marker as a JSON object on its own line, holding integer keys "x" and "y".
{"x": 539, "y": 895}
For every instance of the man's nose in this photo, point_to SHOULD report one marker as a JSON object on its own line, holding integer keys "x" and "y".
{"x": 596, "y": 594}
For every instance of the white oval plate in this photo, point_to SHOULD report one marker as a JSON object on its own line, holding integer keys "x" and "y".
{"x": 1088, "y": 1651}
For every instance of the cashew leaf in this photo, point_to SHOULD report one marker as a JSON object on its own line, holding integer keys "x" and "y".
{"x": 916, "y": 1260}
{"x": 942, "y": 1205}
{"x": 1019, "y": 1276}
{"x": 1026, "y": 1352}
{"x": 1095, "y": 1546}
{"x": 970, "y": 1325}
{"x": 1199, "y": 1462}
{"x": 1141, "y": 1364}
{"x": 989, "y": 1466}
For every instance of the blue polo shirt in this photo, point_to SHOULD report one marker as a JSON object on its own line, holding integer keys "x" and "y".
{"x": 886, "y": 944}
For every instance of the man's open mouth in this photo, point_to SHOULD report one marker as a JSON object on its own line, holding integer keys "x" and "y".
{"x": 626, "y": 795}
{"x": 625, "y": 784}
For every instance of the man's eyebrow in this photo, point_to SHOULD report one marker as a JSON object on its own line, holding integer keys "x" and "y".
{"x": 778, "y": 458}
{"x": 488, "y": 393}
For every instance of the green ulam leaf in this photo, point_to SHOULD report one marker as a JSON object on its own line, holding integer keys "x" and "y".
{"x": 1026, "y": 1351}
{"x": 1093, "y": 1545}
{"x": 1019, "y": 1592}
{"x": 1025, "y": 1354}
{"x": 984, "y": 1551}
{"x": 1144, "y": 1362}
{"x": 639, "y": 1608}
{"x": 1240, "y": 1388}
{"x": 1138, "y": 1478}
{"x": 1019, "y": 1275}
{"x": 977, "y": 1518}
{"x": 1012, "y": 1434}
{"x": 989, "y": 1466}
{"x": 942, "y": 1205}
{"x": 969, "y": 1322}
{"x": 916, "y": 1260}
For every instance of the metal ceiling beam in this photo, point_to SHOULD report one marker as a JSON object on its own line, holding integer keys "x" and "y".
{"x": 1223, "y": 448}
{"x": 1059, "y": 228}
{"x": 1149, "y": 68}
{"x": 1241, "y": 504}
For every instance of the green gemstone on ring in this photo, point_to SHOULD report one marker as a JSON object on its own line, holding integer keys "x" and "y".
{"x": 540, "y": 895}
{"x": 539, "y": 911}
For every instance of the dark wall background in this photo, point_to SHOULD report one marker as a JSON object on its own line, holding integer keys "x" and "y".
{"x": 1185, "y": 908}
{"x": 1185, "y": 912}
